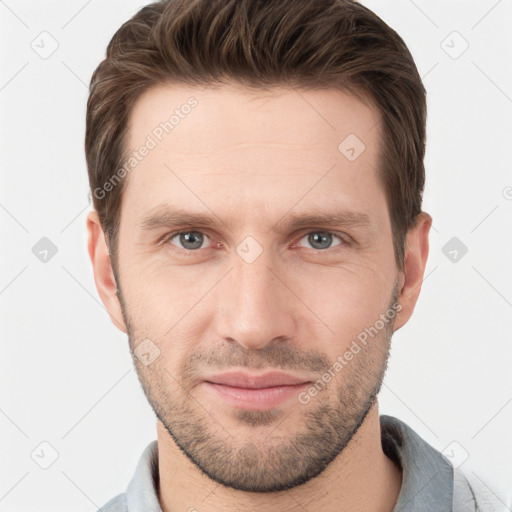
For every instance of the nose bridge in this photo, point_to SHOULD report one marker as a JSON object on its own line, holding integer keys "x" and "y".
{"x": 254, "y": 309}
{"x": 253, "y": 282}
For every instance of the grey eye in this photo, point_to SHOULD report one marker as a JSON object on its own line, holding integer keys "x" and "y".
{"x": 190, "y": 240}
{"x": 321, "y": 239}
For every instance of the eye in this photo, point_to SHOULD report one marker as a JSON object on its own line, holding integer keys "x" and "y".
{"x": 321, "y": 240}
{"x": 189, "y": 240}
{"x": 192, "y": 241}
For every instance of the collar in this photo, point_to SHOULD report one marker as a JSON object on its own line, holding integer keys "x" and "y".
{"x": 427, "y": 476}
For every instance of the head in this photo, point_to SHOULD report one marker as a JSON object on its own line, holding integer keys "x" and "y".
{"x": 257, "y": 181}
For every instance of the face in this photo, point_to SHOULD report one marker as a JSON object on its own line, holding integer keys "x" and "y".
{"x": 252, "y": 241}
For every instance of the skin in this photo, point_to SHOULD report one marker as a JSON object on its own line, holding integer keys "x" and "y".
{"x": 251, "y": 159}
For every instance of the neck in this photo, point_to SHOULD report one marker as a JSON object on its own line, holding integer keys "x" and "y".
{"x": 360, "y": 478}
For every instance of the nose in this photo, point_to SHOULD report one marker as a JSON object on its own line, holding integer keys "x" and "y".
{"x": 255, "y": 306}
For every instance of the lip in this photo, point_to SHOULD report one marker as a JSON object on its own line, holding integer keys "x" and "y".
{"x": 245, "y": 380}
{"x": 255, "y": 392}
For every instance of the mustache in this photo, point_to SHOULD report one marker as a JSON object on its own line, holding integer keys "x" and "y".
{"x": 275, "y": 356}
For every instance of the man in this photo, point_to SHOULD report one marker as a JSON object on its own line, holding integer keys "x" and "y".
{"x": 257, "y": 173}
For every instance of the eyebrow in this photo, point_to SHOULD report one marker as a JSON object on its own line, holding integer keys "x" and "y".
{"x": 164, "y": 217}
{"x": 297, "y": 221}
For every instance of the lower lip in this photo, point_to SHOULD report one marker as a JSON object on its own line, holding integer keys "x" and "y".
{"x": 263, "y": 398}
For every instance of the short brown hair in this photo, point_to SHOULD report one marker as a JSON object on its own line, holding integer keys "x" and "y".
{"x": 307, "y": 44}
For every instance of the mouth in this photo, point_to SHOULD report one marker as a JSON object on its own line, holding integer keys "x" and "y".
{"x": 254, "y": 392}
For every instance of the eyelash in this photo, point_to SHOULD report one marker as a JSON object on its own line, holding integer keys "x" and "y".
{"x": 189, "y": 252}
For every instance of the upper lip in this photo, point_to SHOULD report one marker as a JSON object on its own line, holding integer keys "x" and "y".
{"x": 246, "y": 380}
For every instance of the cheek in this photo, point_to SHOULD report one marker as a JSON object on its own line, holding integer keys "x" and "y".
{"x": 347, "y": 299}
{"x": 167, "y": 302}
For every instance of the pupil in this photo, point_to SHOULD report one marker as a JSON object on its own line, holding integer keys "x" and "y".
{"x": 188, "y": 238}
{"x": 322, "y": 239}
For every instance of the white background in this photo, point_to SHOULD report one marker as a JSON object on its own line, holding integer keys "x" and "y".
{"x": 66, "y": 374}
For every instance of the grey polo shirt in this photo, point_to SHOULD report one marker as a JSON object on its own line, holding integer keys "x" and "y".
{"x": 429, "y": 481}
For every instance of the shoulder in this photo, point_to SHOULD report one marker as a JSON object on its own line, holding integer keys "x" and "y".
{"x": 430, "y": 477}
{"x": 141, "y": 493}
{"x": 117, "y": 504}
{"x": 471, "y": 494}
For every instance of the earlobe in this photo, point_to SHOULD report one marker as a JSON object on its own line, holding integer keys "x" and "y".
{"x": 411, "y": 278}
{"x": 102, "y": 268}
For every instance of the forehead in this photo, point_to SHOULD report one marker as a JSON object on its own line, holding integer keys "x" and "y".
{"x": 254, "y": 145}
{"x": 222, "y": 116}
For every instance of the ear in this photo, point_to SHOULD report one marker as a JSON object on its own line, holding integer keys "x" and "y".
{"x": 102, "y": 268}
{"x": 411, "y": 278}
